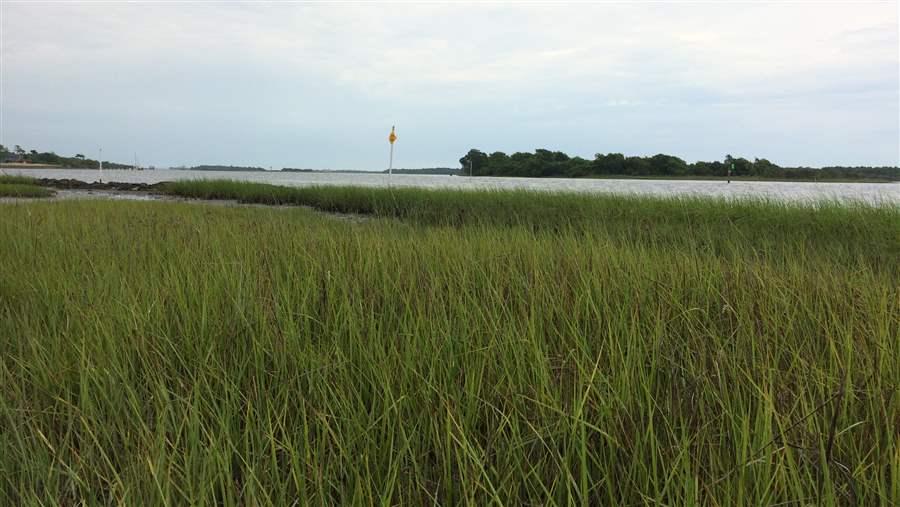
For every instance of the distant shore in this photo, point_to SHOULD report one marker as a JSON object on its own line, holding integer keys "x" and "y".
{"x": 31, "y": 166}
{"x": 110, "y": 167}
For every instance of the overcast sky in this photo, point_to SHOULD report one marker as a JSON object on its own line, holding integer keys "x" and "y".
{"x": 319, "y": 85}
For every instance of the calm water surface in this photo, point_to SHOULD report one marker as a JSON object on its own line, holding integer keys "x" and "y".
{"x": 803, "y": 191}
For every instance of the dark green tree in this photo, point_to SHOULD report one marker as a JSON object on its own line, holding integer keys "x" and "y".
{"x": 499, "y": 164}
{"x": 667, "y": 165}
{"x": 474, "y": 162}
{"x": 612, "y": 163}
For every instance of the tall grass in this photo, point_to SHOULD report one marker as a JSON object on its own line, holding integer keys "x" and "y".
{"x": 657, "y": 352}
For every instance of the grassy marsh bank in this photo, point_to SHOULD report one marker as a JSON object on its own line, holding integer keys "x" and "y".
{"x": 534, "y": 208}
{"x": 496, "y": 347}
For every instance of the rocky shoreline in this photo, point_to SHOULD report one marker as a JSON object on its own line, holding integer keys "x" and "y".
{"x": 72, "y": 184}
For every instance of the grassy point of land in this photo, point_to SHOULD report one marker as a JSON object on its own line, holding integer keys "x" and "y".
{"x": 21, "y": 186}
{"x": 762, "y": 222}
{"x": 459, "y": 348}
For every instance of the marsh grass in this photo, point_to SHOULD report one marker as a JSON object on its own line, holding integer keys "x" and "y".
{"x": 527, "y": 350}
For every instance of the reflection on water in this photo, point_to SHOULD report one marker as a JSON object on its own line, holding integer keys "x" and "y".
{"x": 871, "y": 192}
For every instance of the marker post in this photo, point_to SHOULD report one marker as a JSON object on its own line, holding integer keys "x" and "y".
{"x": 391, "y": 139}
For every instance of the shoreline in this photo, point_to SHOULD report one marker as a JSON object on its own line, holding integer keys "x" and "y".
{"x": 76, "y": 190}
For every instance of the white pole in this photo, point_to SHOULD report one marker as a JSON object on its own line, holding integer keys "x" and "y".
{"x": 101, "y": 165}
{"x": 391, "y": 164}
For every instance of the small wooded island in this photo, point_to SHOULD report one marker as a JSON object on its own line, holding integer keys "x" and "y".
{"x": 556, "y": 164}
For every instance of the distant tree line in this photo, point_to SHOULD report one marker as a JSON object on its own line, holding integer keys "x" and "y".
{"x": 79, "y": 161}
{"x": 307, "y": 170}
{"x": 208, "y": 167}
{"x": 546, "y": 164}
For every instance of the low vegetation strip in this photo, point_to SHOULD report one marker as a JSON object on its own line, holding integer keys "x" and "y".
{"x": 660, "y": 352}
